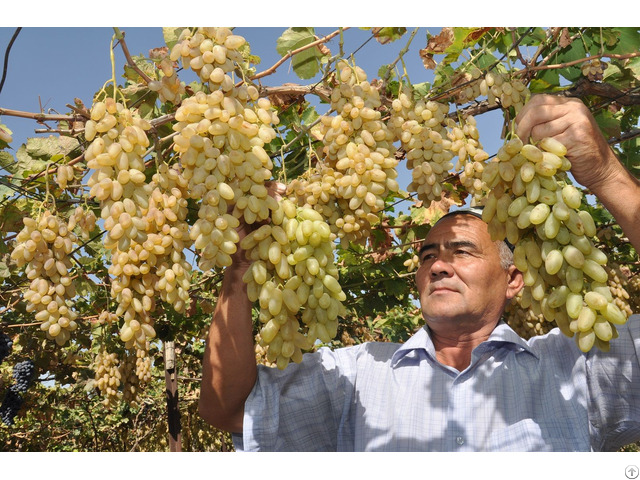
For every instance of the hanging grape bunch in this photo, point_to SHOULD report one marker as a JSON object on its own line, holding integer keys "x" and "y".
{"x": 359, "y": 154}
{"x": 532, "y": 204}
{"x": 220, "y": 142}
{"x": 295, "y": 281}
{"x": 44, "y": 246}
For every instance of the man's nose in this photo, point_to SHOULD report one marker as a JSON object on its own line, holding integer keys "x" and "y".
{"x": 440, "y": 267}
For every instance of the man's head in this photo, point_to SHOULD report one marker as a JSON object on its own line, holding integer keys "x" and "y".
{"x": 465, "y": 278}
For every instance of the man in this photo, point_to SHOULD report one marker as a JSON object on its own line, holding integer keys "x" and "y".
{"x": 464, "y": 382}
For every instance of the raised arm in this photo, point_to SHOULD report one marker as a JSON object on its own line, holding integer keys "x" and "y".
{"x": 229, "y": 365}
{"x": 594, "y": 164}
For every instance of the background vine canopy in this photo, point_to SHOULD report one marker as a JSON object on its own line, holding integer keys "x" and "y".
{"x": 99, "y": 381}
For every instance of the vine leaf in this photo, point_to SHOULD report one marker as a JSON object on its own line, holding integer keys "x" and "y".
{"x": 306, "y": 64}
{"x": 171, "y": 35}
{"x": 386, "y": 35}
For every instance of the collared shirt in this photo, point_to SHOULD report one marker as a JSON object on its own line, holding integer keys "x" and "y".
{"x": 537, "y": 395}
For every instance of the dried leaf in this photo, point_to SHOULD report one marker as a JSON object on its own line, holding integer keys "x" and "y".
{"x": 479, "y": 32}
{"x": 427, "y": 59}
{"x": 565, "y": 38}
{"x": 158, "y": 53}
{"x": 441, "y": 42}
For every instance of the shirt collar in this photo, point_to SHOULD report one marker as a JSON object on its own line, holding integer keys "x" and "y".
{"x": 503, "y": 336}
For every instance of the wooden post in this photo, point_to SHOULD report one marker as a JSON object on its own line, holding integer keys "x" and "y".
{"x": 173, "y": 412}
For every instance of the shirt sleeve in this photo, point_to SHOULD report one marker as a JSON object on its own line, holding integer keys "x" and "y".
{"x": 303, "y": 408}
{"x": 613, "y": 380}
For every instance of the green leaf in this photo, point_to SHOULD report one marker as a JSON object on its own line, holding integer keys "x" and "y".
{"x": 309, "y": 115}
{"x": 575, "y": 51}
{"x": 50, "y": 146}
{"x": 629, "y": 40}
{"x": 26, "y": 164}
{"x": 305, "y": 64}
{"x": 633, "y": 65}
{"x": 454, "y": 50}
{"x": 386, "y": 35}
{"x": 608, "y": 124}
{"x": 4, "y": 270}
{"x": 171, "y": 35}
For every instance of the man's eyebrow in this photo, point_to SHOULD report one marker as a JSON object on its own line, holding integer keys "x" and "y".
{"x": 450, "y": 245}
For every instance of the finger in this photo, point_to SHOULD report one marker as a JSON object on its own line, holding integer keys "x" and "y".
{"x": 544, "y": 111}
{"x": 552, "y": 129}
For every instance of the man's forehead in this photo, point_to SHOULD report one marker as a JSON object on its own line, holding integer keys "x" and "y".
{"x": 456, "y": 229}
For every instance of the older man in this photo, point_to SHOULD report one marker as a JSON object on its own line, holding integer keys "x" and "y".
{"x": 464, "y": 382}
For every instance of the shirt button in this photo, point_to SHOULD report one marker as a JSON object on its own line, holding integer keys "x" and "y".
{"x": 460, "y": 440}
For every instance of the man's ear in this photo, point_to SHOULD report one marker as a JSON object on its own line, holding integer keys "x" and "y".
{"x": 515, "y": 281}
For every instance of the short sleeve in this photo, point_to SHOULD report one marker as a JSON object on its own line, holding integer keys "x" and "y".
{"x": 303, "y": 408}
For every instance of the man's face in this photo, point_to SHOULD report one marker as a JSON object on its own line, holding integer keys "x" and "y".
{"x": 460, "y": 280}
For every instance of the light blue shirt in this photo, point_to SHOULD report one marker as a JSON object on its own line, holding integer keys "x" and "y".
{"x": 537, "y": 395}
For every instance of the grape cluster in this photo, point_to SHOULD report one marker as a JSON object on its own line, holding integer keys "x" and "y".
{"x": 220, "y": 139}
{"x": 211, "y": 52}
{"x": 6, "y": 345}
{"x": 10, "y": 406}
{"x": 295, "y": 281}
{"x": 108, "y": 377}
{"x": 169, "y": 87}
{"x": 510, "y": 92}
{"x": 116, "y": 154}
{"x": 23, "y": 374}
{"x": 44, "y": 246}
{"x": 594, "y": 69}
{"x": 64, "y": 175}
{"x": 85, "y": 219}
{"x": 420, "y": 126}
{"x": 359, "y": 158}
{"x": 169, "y": 236}
{"x": 465, "y": 143}
{"x": 524, "y": 321}
{"x": 533, "y": 206}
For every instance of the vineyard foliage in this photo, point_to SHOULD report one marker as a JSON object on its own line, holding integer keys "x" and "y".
{"x": 118, "y": 225}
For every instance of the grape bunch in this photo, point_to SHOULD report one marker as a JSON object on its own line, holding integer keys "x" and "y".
{"x": 23, "y": 375}
{"x": 85, "y": 219}
{"x": 64, "y": 175}
{"x": 465, "y": 143}
{"x": 510, "y": 92}
{"x": 211, "y": 52}
{"x": 108, "y": 377}
{"x": 44, "y": 246}
{"x": 6, "y": 346}
{"x": 220, "y": 140}
{"x": 169, "y": 236}
{"x": 594, "y": 69}
{"x": 533, "y": 206}
{"x": 169, "y": 87}
{"x": 293, "y": 278}
{"x": 10, "y": 407}
{"x": 116, "y": 155}
{"x": 420, "y": 126}
{"x": 524, "y": 321}
{"x": 358, "y": 154}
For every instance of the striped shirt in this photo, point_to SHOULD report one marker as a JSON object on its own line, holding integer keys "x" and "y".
{"x": 516, "y": 395}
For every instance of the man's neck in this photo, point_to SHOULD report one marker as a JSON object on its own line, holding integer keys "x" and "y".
{"x": 454, "y": 348}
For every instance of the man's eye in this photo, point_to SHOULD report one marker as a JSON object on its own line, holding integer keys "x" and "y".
{"x": 427, "y": 256}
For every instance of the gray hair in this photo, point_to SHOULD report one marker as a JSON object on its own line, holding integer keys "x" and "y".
{"x": 506, "y": 254}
